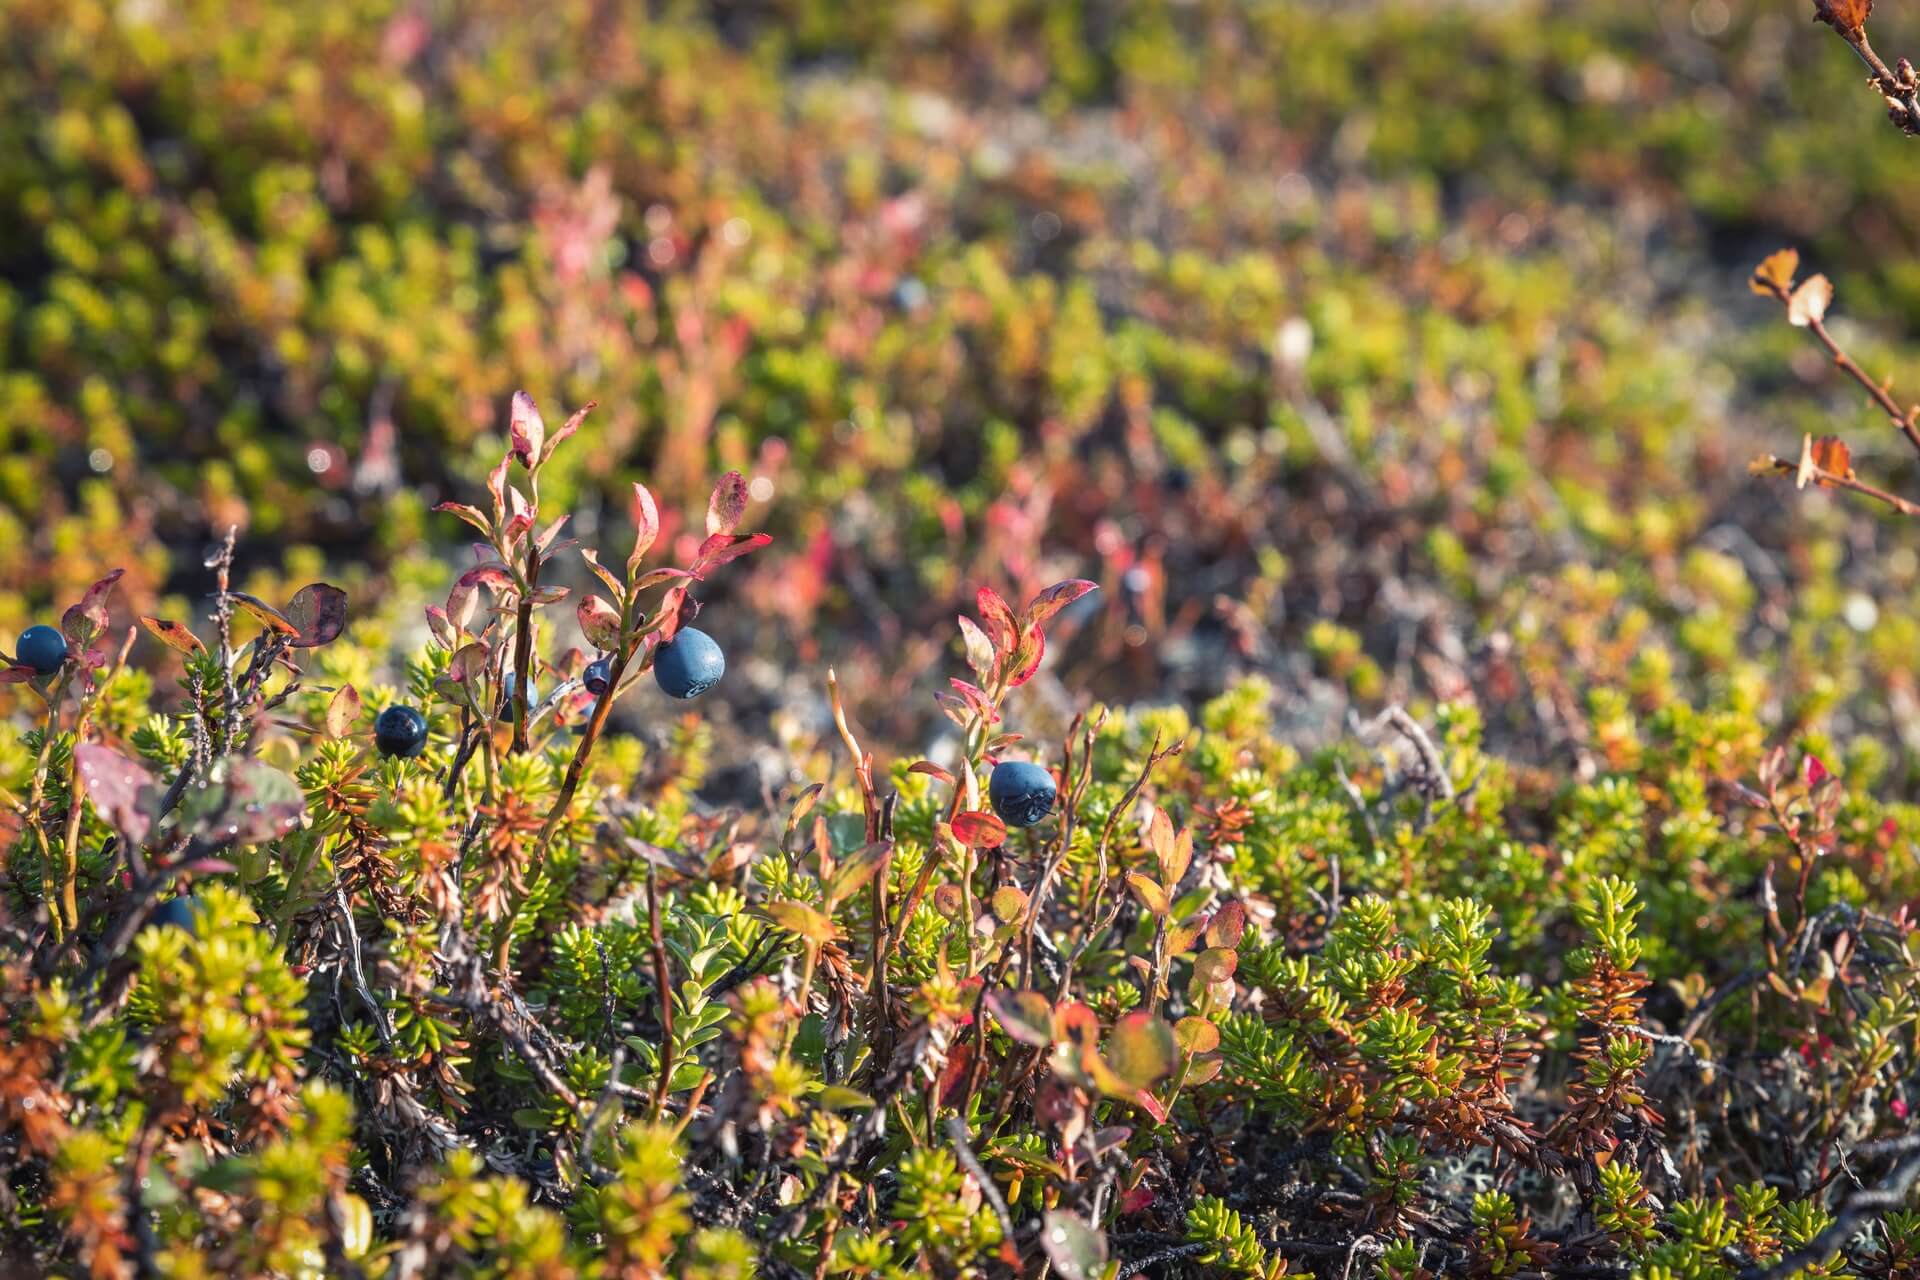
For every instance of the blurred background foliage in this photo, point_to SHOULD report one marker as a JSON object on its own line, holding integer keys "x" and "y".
{"x": 1382, "y": 349}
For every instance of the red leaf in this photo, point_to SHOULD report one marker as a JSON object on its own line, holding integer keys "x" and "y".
{"x": 998, "y": 617}
{"x": 646, "y": 525}
{"x": 493, "y": 576}
{"x": 88, "y": 619}
{"x": 932, "y": 770}
{"x": 1026, "y": 659}
{"x": 979, "y": 830}
{"x": 472, "y": 515}
{"x": 728, "y": 503}
{"x": 1814, "y": 770}
{"x": 526, "y": 429}
{"x": 567, "y": 429}
{"x": 1055, "y": 598}
{"x": 600, "y": 621}
{"x": 319, "y": 610}
{"x": 713, "y": 552}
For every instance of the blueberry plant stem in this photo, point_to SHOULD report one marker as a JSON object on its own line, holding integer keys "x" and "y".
{"x": 570, "y": 784}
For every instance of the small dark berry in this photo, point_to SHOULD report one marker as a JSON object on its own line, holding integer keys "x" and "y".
{"x": 690, "y": 665}
{"x": 1021, "y": 791}
{"x": 507, "y": 686}
{"x": 41, "y": 647}
{"x": 174, "y": 911}
{"x": 598, "y": 676}
{"x": 400, "y": 731}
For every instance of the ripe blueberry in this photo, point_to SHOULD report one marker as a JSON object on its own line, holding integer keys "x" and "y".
{"x": 174, "y": 911}
{"x": 400, "y": 731}
{"x": 1021, "y": 792}
{"x": 689, "y": 665}
{"x": 42, "y": 648}
{"x": 598, "y": 675}
{"x": 507, "y": 687}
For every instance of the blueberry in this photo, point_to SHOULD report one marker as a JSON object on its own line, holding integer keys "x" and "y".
{"x": 1021, "y": 792}
{"x": 689, "y": 665}
{"x": 598, "y": 675}
{"x": 400, "y": 731}
{"x": 507, "y": 687}
{"x": 174, "y": 911}
{"x": 42, "y": 648}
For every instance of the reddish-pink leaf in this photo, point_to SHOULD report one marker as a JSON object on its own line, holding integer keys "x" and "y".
{"x": 493, "y": 576}
{"x": 716, "y": 551}
{"x": 600, "y": 621}
{"x": 1228, "y": 926}
{"x": 123, "y": 792}
{"x": 646, "y": 526}
{"x": 601, "y": 572}
{"x": 1152, "y": 1106}
{"x": 1025, "y": 663}
{"x": 319, "y": 612}
{"x": 18, "y": 675}
{"x": 526, "y": 429}
{"x": 998, "y": 617}
{"x": 932, "y": 770}
{"x": 88, "y": 619}
{"x": 1814, "y": 770}
{"x": 472, "y": 515}
{"x": 979, "y": 830}
{"x": 497, "y": 486}
{"x": 728, "y": 504}
{"x": 567, "y": 429}
{"x": 1055, "y": 598}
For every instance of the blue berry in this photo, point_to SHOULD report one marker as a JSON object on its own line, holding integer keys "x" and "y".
{"x": 507, "y": 686}
{"x": 400, "y": 731}
{"x": 174, "y": 911}
{"x": 598, "y": 676}
{"x": 42, "y": 648}
{"x": 1021, "y": 791}
{"x": 690, "y": 665}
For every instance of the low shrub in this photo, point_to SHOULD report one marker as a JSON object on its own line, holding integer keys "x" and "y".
{"x": 287, "y": 995}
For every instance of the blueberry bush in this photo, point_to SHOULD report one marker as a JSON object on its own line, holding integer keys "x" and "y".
{"x": 1399, "y": 798}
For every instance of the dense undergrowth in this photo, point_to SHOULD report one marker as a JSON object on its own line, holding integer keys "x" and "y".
{"x": 281, "y": 1003}
{"x": 1484, "y": 840}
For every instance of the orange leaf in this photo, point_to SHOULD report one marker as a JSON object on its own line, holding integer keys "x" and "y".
{"x": 1831, "y": 455}
{"x": 1775, "y": 275}
{"x": 1847, "y": 17}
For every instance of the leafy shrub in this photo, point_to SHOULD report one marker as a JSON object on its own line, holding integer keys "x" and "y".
{"x": 508, "y": 1006}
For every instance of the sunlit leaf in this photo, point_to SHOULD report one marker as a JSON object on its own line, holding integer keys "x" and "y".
{"x": 81, "y": 623}
{"x": 342, "y": 710}
{"x": 1809, "y": 302}
{"x": 1774, "y": 275}
{"x": 1141, "y": 1049}
{"x": 977, "y": 829}
{"x": 1041, "y": 608}
{"x": 173, "y": 634}
{"x": 727, "y": 505}
{"x": 318, "y": 612}
{"x": 526, "y": 430}
{"x": 1026, "y": 1016}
